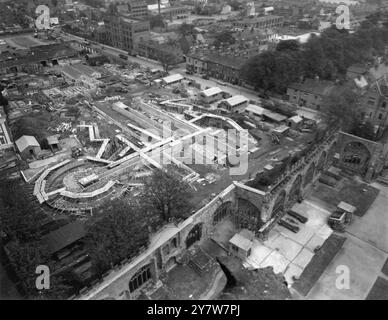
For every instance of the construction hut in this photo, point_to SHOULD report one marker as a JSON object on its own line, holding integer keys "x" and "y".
{"x": 211, "y": 95}
{"x": 175, "y": 78}
{"x": 254, "y": 111}
{"x": 274, "y": 117}
{"x": 281, "y": 130}
{"x": 241, "y": 244}
{"x": 235, "y": 104}
{"x": 295, "y": 122}
{"x": 53, "y": 142}
{"x": 28, "y": 146}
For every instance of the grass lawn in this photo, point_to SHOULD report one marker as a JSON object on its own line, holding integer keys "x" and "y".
{"x": 379, "y": 290}
{"x": 357, "y": 194}
{"x": 183, "y": 281}
{"x": 318, "y": 264}
{"x": 26, "y": 42}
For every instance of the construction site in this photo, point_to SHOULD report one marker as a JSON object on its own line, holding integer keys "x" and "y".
{"x": 96, "y": 133}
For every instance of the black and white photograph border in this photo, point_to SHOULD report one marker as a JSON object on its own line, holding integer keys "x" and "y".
{"x": 193, "y": 155}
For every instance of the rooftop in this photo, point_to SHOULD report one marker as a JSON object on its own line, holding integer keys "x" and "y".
{"x": 26, "y": 141}
{"x": 211, "y": 91}
{"x": 236, "y": 100}
{"x": 241, "y": 242}
{"x": 173, "y": 78}
{"x": 260, "y": 19}
{"x": 62, "y": 237}
{"x": 229, "y": 60}
{"x": 255, "y": 109}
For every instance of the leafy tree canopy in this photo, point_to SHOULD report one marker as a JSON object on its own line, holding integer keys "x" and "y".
{"x": 166, "y": 195}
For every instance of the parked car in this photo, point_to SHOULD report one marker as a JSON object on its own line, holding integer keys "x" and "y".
{"x": 205, "y": 76}
{"x": 189, "y": 72}
{"x": 221, "y": 83}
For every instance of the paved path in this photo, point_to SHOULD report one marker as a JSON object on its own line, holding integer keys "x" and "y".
{"x": 364, "y": 253}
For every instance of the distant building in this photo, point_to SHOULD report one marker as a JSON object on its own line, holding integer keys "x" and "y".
{"x": 310, "y": 93}
{"x": 36, "y": 58}
{"x": 217, "y": 65}
{"x": 372, "y": 84}
{"x": 153, "y": 50}
{"x": 125, "y": 33}
{"x": 173, "y": 13}
{"x": 138, "y": 9}
{"x": 5, "y": 140}
{"x": 374, "y": 103}
{"x": 263, "y": 22}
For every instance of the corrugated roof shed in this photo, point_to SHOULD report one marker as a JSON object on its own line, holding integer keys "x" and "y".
{"x": 235, "y": 100}
{"x": 173, "y": 78}
{"x": 26, "y": 141}
{"x": 296, "y": 119}
{"x": 255, "y": 109}
{"x": 211, "y": 91}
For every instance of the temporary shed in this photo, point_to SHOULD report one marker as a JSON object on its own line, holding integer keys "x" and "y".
{"x": 240, "y": 246}
{"x": 172, "y": 79}
{"x": 27, "y": 146}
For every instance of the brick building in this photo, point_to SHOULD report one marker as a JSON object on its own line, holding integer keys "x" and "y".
{"x": 174, "y": 12}
{"x": 310, "y": 93}
{"x": 125, "y": 33}
{"x": 263, "y": 22}
{"x": 5, "y": 140}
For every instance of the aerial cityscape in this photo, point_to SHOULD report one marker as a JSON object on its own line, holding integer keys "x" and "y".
{"x": 194, "y": 150}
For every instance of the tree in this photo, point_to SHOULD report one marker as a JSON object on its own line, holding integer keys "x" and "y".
{"x": 184, "y": 45}
{"x": 167, "y": 59}
{"x": 341, "y": 108}
{"x": 186, "y": 29}
{"x": 156, "y": 22}
{"x": 116, "y": 233}
{"x": 17, "y": 219}
{"x": 224, "y": 37}
{"x": 236, "y": 5}
{"x": 327, "y": 56}
{"x": 166, "y": 195}
{"x": 288, "y": 45}
{"x": 364, "y": 129}
{"x": 273, "y": 70}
